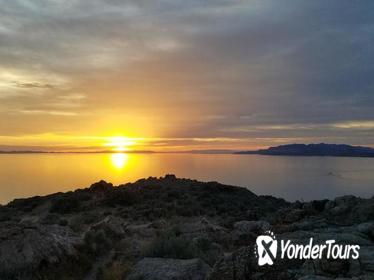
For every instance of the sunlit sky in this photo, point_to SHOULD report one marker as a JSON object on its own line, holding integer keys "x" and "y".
{"x": 185, "y": 75}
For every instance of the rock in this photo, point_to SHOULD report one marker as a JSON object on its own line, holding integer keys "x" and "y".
{"x": 201, "y": 227}
{"x": 242, "y": 265}
{"x": 159, "y": 224}
{"x": 348, "y": 210}
{"x": 169, "y": 269}
{"x": 315, "y": 206}
{"x": 143, "y": 230}
{"x": 308, "y": 268}
{"x": 234, "y": 266}
{"x": 367, "y": 229}
{"x": 363, "y": 212}
{"x": 334, "y": 267}
{"x": 354, "y": 268}
{"x": 339, "y": 210}
{"x": 246, "y": 232}
{"x": 102, "y": 236}
{"x": 170, "y": 177}
{"x": 51, "y": 219}
{"x": 367, "y": 259}
{"x": 314, "y": 277}
{"x": 24, "y": 247}
{"x": 329, "y": 205}
{"x": 111, "y": 225}
{"x": 208, "y": 251}
{"x": 346, "y": 201}
{"x": 246, "y": 227}
{"x": 101, "y": 186}
{"x": 294, "y": 215}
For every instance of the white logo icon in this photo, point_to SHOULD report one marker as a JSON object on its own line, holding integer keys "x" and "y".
{"x": 266, "y": 248}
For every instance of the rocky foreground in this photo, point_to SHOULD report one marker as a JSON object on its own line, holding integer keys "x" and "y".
{"x": 170, "y": 228}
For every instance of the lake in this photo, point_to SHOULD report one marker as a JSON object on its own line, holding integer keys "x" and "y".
{"x": 292, "y": 178}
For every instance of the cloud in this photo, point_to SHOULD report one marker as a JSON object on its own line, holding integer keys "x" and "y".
{"x": 44, "y": 112}
{"x": 34, "y": 85}
{"x": 200, "y": 69}
{"x": 361, "y": 125}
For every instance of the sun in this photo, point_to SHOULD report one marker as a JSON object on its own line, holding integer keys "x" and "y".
{"x": 120, "y": 143}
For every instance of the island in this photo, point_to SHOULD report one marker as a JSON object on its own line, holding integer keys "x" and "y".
{"x": 322, "y": 149}
{"x": 172, "y": 228}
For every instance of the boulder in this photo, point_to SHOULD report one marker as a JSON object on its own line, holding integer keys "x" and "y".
{"x": 24, "y": 247}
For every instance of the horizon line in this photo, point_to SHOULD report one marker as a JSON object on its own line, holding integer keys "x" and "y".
{"x": 215, "y": 151}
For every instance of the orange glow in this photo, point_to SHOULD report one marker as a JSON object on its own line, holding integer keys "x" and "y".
{"x": 115, "y": 142}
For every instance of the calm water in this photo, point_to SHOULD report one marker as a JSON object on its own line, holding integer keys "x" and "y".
{"x": 288, "y": 177}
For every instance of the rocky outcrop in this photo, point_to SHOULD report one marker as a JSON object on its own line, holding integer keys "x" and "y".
{"x": 322, "y": 149}
{"x": 170, "y": 228}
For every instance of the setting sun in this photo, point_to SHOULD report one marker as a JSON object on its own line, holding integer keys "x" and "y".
{"x": 120, "y": 144}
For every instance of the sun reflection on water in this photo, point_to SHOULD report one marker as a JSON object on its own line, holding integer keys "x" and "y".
{"x": 119, "y": 160}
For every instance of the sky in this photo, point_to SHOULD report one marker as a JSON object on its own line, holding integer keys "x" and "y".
{"x": 185, "y": 75}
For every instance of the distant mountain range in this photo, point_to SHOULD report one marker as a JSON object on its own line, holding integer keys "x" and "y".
{"x": 322, "y": 149}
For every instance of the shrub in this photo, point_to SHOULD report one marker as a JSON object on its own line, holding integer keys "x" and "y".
{"x": 120, "y": 197}
{"x": 51, "y": 219}
{"x": 26, "y": 204}
{"x": 115, "y": 270}
{"x": 63, "y": 223}
{"x": 170, "y": 245}
{"x": 65, "y": 204}
{"x": 90, "y": 217}
{"x": 206, "y": 250}
{"x": 97, "y": 242}
{"x": 6, "y": 213}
